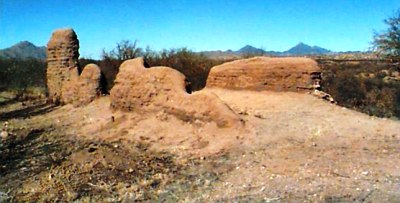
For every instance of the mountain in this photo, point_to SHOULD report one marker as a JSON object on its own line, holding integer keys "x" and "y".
{"x": 229, "y": 54}
{"x": 304, "y": 49}
{"x": 250, "y": 50}
{"x": 24, "y": 50}
{"x": 300, "y": 49}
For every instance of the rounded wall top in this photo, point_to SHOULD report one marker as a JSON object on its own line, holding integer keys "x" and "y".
{"x": 63, "y": 36}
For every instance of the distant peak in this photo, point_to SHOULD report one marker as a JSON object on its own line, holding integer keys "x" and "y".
{"x": 23, "y": 50}
{"x": 302, "y": 44}
{"x": 25, "y": 43}
{"x": 304, "y": 49}
{"x": 249, "y": 49}
{"x": 248, "y": 46}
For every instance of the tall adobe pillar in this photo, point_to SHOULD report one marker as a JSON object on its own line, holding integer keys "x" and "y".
{"x": 62, "y": 62}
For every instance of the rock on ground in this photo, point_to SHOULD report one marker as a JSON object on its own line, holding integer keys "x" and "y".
{"x": 265, "y": 73}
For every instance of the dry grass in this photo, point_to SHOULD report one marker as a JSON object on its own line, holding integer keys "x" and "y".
{"x": 43, "y": 165}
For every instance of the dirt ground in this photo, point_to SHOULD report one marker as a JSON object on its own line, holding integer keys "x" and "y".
{"x": 292, "y": 147}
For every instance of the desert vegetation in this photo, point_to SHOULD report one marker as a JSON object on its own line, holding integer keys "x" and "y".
{"x": 22, "y": 73}
{"x": 372, "y": 87}
{"x": 22, "y": 79}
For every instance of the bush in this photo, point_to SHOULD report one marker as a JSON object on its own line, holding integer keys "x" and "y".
{"x": 21, "y": 74}
{"x": 361, "y": 86}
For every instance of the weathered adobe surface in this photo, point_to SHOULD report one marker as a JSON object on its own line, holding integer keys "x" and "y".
{"x": 138, "y": 88}
{"x": 265, "y": 73}
{"x": 83, "y": 89}
{"x": 62, "y": 61}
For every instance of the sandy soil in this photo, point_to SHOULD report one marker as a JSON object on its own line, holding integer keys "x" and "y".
{"x": 306, "y": 148}
{"x": 291, "y": 147}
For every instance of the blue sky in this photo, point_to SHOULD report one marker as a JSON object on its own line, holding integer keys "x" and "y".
{"x": 338, "y": 25}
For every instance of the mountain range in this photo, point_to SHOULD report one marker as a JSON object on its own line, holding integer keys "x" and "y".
{"x": 300, "y": 49}
{"x": 24, "y": 50}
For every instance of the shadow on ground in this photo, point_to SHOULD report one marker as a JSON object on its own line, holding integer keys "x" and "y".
{"x": 28, "y": 111}
{"x": 23, "y": 157}
{"x": 8, "y": 102}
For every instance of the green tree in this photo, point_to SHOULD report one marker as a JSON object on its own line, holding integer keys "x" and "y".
{"x": 387, "y": 43}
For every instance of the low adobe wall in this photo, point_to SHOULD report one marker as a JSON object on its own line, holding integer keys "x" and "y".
{"x": 138, "y": 88}
{"x": 265, "y": 73}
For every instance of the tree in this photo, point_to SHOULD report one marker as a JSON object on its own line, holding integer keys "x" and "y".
{"x": 123, "y": 51}
{"x": 387, "y": 43}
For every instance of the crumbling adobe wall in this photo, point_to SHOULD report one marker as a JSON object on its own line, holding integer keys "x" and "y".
{"x": 69, "y": 87}
{"x": 138, "y": 88}
{"x": 62, "y": 61}
{"x": 64, "y": 82}
{"x": 265, "y": 73}
{"x": 83, "y": 89}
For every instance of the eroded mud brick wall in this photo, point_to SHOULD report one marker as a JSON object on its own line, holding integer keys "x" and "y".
{"x": 62, "y": 61}
{"x": 265, "y": 73}
{"x": 138, "y": 88}
{"x": 88, "y": 87}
